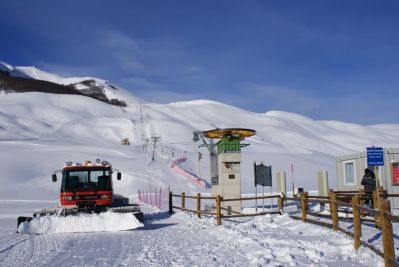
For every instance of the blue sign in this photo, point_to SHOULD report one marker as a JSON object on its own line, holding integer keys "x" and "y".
{"x": 375, "y": 156}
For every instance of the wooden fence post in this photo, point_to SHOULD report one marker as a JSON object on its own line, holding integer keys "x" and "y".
{"x": 218, "y": 211}
{"x": 304, "y": 205}
{"x": 306, "y": 201}
{"x": 380, "y": 194}
{"x": 375, "y": 200}
{"x": 387, "y": 233}
{"x": 330, "y": 192}
{"x": 199, "y": 205}
{"x": 183, "y": 201}
{"x": 376, "y": 204}
{"x": 357, "y": 227}
{"x": 281, "y": 204}
{"x": 170, "y": 202}
{"x": 334, "y": 211}
{"x": 362, "y": 201}
{"x": 361, "y": 195}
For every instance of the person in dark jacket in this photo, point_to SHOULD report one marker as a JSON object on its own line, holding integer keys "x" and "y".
{"x": 368, "y": 181}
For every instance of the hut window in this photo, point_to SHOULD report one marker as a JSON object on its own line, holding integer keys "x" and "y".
{"x": 232, "y": 176}
{"x": 349, "y": 173}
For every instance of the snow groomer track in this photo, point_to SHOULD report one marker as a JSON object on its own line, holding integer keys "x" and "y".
{"x": 185, "y": 240}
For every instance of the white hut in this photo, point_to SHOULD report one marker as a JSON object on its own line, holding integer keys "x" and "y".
{"x": 350, "y": 170}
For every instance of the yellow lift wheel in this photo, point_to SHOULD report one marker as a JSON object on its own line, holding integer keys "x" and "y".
{"x": 235, "y": 132}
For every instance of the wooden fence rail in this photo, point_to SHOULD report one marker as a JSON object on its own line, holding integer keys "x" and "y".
{"x": 218, "y": 206}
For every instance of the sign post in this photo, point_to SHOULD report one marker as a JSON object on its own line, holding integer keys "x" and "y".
{"x": 375, "y": 158}
{"x": 263, "y": 177}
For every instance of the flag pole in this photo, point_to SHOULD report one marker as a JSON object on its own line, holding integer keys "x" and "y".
{"x": 292, "y": 176}
{"x": 263, "y": 189}
{"x": 263, "y": 199}
{"x": 256, "y": 189}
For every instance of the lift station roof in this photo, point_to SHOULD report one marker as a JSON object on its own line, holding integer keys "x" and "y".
{"x": 235, "y": 132}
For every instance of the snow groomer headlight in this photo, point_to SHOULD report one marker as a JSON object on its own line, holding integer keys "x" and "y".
{"x": 105, "y": 196}
{"x": 68, "y": 198}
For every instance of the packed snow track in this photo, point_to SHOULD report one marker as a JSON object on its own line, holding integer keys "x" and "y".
{"x": 184, "y": 240}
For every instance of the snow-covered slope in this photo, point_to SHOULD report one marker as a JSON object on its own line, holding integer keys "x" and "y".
{"x": 94, "y": 87}
{"x": 7, "y": 68}
{"x": 38, "y": 74}
{"x": 79, "y": 125}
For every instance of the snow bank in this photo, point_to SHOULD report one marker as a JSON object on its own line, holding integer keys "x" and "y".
{"x": 103, "y": 222}
{"x": 278, "y": 240}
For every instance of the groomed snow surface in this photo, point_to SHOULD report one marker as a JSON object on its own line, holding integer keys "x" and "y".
{"x": 184, "y": 240}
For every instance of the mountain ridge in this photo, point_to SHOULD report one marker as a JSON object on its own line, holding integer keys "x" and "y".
{"x": 32, "y": 79}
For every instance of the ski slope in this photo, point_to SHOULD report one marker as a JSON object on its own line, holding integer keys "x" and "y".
{"x": 39, "y": 132}
{"x": 184, "y": 240}
{"x": 46, "y": 121}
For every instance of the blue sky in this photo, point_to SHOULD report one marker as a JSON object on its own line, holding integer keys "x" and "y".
{"x": 329, "y": 60}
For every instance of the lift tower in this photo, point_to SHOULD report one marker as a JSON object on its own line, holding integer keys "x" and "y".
{"x": 225, "y": 157}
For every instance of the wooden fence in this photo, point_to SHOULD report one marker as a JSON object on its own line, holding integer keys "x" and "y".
{"x": 218, "y": 200}
{"x": 348, "y": 202}
{"x": 353, "y": 202}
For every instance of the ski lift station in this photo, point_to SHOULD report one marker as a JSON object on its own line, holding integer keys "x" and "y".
{"x": 350, "y": 170}
{"x": 225, "y": 159}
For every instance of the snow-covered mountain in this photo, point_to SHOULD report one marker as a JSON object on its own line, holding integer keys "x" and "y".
{"x": 40, "y": 131}
{"x": 31, "y": 79}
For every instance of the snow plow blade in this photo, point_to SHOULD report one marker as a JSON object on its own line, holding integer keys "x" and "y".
{"x": 81, "y": 223}
{"x": 123, "y": 216}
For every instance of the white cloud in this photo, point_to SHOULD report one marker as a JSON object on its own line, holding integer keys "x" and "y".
{"x": 141, "y": 83}
{"x": 114, "y": 39}
{"x": 358, "y": 106}
{"x": 194, "y": 69}
{"x": 275, "y": 97}
{"x": 125, "y": 50}
{"x": 155, "y": 92}
{"x": 70, "y": 71}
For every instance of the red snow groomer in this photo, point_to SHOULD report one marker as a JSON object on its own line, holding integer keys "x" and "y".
{"x": 88, "y": 188}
